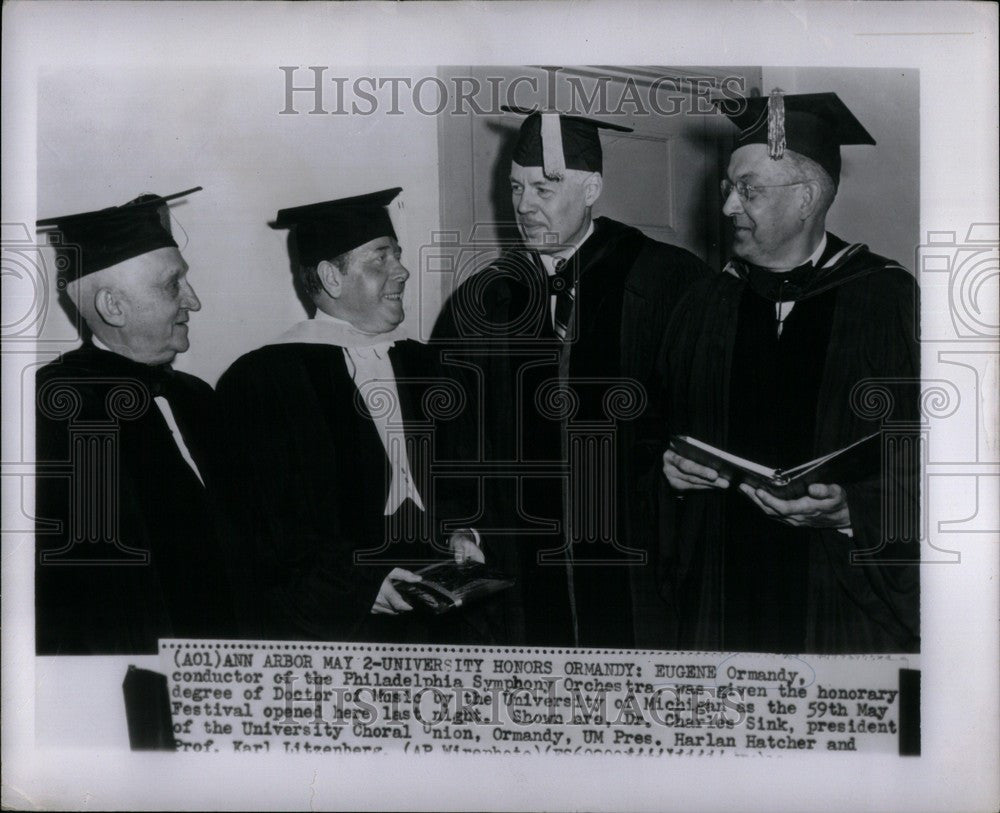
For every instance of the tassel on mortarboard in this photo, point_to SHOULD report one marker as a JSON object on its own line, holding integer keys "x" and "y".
{"x": 776, "y": 125}
{"x": 814, "y": 125}
{"x": 553, "y": 160}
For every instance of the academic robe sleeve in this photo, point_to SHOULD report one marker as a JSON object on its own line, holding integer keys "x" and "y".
{"x": 79, "y": 610}
{"x": 137, "y": 553}
{"x": 302, "y": 558}
{"x": 658, "y": 281}
{"x": 876, "y": 568}
{"x": 462, "y": 439}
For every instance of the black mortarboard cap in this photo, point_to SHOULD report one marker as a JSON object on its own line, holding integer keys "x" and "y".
{"x": 90, "y": 241}
{"x": 557, "y": 141}
{"x": 326, "y": 230}
{"x": 815, "y": 125}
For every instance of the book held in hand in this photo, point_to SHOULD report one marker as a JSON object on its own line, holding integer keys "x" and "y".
{"x": 855, "y": 462}
{"x": 448, "y": 585}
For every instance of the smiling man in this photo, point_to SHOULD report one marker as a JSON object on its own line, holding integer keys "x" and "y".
{"x": 131, "y": 544}
{"x": 573, "y": 318}
{"x": 769, "y": 361}
{"x": 328, "y": 478}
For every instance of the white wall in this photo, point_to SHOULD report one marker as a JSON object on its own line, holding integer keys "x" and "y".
{"x": 878, "y": 202}
{"x": 108, "y": 135}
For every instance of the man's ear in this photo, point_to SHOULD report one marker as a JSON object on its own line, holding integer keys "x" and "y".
{"x": 809, "y": 199}
{"x": 330, "y": 277}
{"x": 592, "y": 187}
{"x": 108, "y": 305}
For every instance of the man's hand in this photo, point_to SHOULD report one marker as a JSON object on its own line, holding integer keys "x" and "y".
{"x": 825, "y": 507}
{"x": 464, "y": 548}
{"x": 388, "y": 601}
{"x": 686, "y": 475}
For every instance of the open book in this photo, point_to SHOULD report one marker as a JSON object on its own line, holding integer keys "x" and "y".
{"x": 447, "y": 585}
{"x": 848, "y": 465}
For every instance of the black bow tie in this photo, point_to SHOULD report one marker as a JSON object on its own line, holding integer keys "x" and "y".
{"x": 159, "y": 378}
{"x": 784, "y": 286}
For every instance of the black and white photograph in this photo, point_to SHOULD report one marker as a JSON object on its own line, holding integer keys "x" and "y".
{"x": 603, "y": 396}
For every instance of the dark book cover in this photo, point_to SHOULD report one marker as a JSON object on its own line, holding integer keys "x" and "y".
{"x": 448, "y": 585}
{"x": 855, "y": 462}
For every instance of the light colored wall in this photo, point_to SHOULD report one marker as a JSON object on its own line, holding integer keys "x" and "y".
{"x": 879, "y": 198}
{"x": 107, "y": 135}
{"x": 662, "y": 178}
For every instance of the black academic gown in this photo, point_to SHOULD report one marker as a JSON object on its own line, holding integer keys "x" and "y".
{"x": 567, "y": 471}
{"x": 309, "y": 480}
{"x": 846, "y": 364}
{"x": 131, "y": 545}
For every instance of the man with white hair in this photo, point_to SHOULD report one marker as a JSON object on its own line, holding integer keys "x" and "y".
{"x": 563, "y": 331}
{"x": 770, "y": 361}
{"x": 129, "y": 539}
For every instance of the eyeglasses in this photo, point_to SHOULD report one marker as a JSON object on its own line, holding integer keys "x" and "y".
{"x": 746, "y": 191}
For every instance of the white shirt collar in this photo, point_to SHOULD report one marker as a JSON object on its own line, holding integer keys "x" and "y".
{"x": 549, "y": 260}
{"x": 364, "y": 351}
{"x": 323, "y": 316}
{"x": 326, "y": 329}
{"x": 102, "y": 346}
{"x": 814, "y": 258}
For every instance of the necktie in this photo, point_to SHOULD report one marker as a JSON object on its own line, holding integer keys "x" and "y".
{"x": 784, "y": 288}
{"x": 562, "y": 286}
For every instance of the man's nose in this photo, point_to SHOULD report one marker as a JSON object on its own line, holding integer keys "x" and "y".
{"x": 525, "y": 203}
{"x": 190, "y": 299}
{"x": 400, "y": 272}
{"x": 733, "y": 205}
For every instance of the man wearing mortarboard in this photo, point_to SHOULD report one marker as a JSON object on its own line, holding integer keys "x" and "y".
{"x": 769, "y": 361}
{"x": 573, "y": 316}
{"x": 130, "y": 539}
{"x": 329, "y": 470}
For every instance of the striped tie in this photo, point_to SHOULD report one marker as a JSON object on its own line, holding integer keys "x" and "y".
{"x": 562, "y": 287}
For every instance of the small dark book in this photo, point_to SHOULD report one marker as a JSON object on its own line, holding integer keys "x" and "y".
{"x": 848, "y": 465}
{"x": 448, "y": 585}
